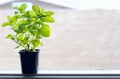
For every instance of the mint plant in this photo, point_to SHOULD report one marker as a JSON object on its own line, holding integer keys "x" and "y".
{"x": 29, "y": 26}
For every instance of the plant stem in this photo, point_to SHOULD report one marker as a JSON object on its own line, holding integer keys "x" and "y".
{"x": 28, "y": 46}
{"x": 19, "y": 44}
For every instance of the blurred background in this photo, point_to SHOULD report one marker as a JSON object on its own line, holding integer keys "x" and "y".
{"x": 85, "y": 35}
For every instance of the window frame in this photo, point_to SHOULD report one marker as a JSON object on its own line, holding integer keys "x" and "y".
{"x": 62, "y": 74}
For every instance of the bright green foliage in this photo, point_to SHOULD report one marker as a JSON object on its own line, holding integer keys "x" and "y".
{"x": 29, "y": 26}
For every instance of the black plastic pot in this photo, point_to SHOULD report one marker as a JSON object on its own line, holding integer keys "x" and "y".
{"x": 29, "y": 61}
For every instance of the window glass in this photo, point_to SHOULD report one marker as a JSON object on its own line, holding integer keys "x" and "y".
{"x": 85, "y": 35}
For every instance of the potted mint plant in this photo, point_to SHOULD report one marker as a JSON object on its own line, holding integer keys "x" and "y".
{"x": 29, "y": 28}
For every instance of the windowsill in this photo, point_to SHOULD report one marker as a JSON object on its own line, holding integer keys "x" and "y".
{"x": 62, "y": 74}
{"x": 66, "y": 71}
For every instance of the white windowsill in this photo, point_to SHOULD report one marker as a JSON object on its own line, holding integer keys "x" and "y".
{"x": 62, "y": 74}
{"x": 65, "y": 71}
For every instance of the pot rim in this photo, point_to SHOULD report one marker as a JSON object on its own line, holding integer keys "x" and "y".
{"x": 24, "y": 51}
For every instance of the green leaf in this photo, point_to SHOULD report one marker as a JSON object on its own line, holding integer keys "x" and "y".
{"x": 16, "y": 12}
{"x": 17, "y": 47}
{"x": 21, "y": 28}
{"x": 48, "y": 13}
{"x": 48, "y": 19}
{"x": 44, "y": 30}
{"x": 35, "y": 27}
{"x": 18, "y": 16}
{"x": 23, "y": 42}
{"x": 15, "y": 28}
{"x": 38, "y": 36}
{"x": 9, "y": 18}
{"x": 9, "y": 36}
{"x": 13, "y": 19}
{"x": 5, "y": 24}
{"x": 35, "y": 43}
{"x": 16, "y": 7}
{"x": 42, "y": 11}
{"x": 34, "y": 19}
{"x": 36, "y": 9}
{"x": 33, "y": 32}
{"x": 38, "y": 22}
{"x": 23, "y": 6}
{"x": 23, "y": 22}
{"x": 20, "y": 36}
{"x": 31, "y": 14}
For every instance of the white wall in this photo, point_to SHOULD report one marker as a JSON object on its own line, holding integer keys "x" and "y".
{"x": 79, "y": 40}
{"x": 87, "y": 4}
